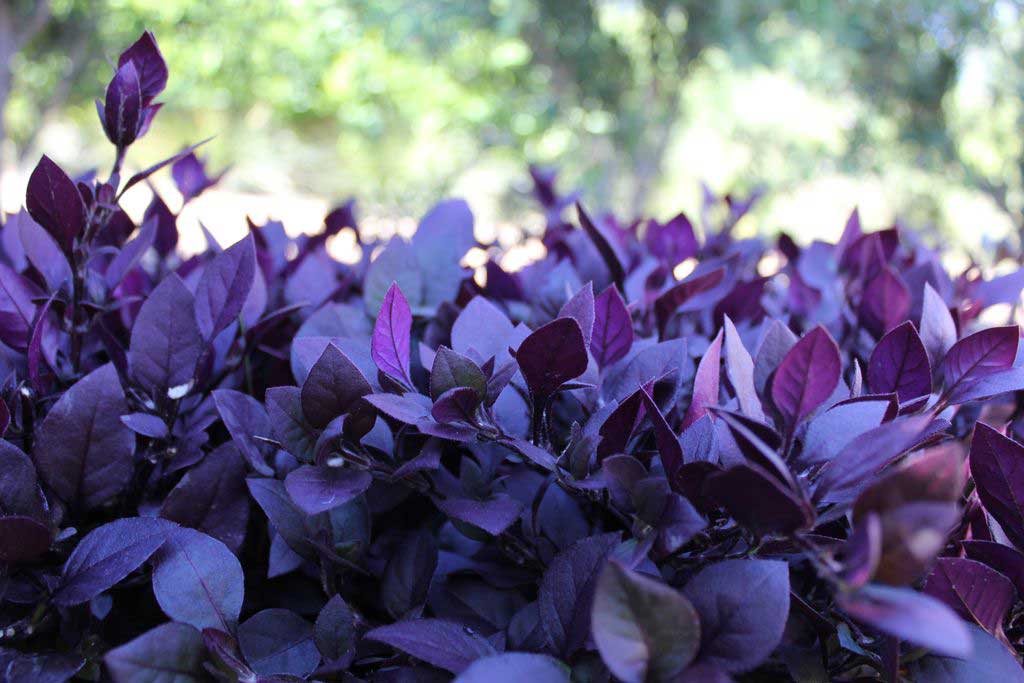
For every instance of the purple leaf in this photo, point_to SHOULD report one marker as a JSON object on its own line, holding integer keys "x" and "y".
{"x": 17, "y": 310}
{"x": 43, "y": 252}
{"x": 458, "y": 404}
{"x": 979, "y": 355}
{"x": 317, "y": 489}
{"x": 739, "y": 367}
{"x": 189, "y": 173}
{"x": 613, "y": 328}
{"x": 758, "y": 501}
{"x": 551, "y": 356}
{"x": 146, "y": 172}
{"x": 777, "y": 342}
{"x": 165, "y": 341}
{"x": 514, "y": 667}
{"x": 911, "y": 616}
{"x": 224, "y": 287}
{"x": 288, "y": 423}
{"x": 53, "y": 201}
{"x": 278, "y": 641}
{"x": 19, "y": 489}
{"x": 452, "y": 370}
{"x": 989, "y": 660}
{"x": 899, "y": 365}
{"x": 335, "y": 629}
{"x": 605, "y": 246}
{"x": 850, "y": 471}
{"x": 146, "y": 425}
{"x": 212, "y": 498}
{"x": 389, "y": 345}
{"x": 997, "y": 467}
{"x": 690, "y": 294}
{"x": 122, "y": 113}
{"x": 705, "y": 382}
{"x": 483, "y": 327}
{"x": 1004, "y": 559}
{"x": 938, "y": 331}
{"x": 975, "y": 592}
{"x": 169, "y": 652}
{"x": 581, "y": 308}
{"x": 440, "y": 643}
{"x": 408, "y": 573}
{"x": 131, "y": 254}
{"x": 333, "y": 387}
{"x": 644, "y": 629}
{"x": 743, "y": 606}
{"x": 567, "y": 589}
{"x": 493, "y": 516}
{"x": 443, "y": 237}
{"x": 198, "y": 581}
{"x": 245, "y": 419}
{"x": 664, "y": 438}
{"x": 988, "y": 386}
{"x": 149, "y": 63}
{"x": 107, "y": 555}
{"x": 885, "y": 302}
{"x": 806, "y": 376}
{"x": 673, "y": 242}
{"x": 84, "y": 451}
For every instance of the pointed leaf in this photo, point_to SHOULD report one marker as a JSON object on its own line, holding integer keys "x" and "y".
{"x": 224, "y": 287}
{"x": 389, "y": 345}
{"x": 806, "y": 376}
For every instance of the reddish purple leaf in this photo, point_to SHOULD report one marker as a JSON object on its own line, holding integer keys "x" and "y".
{"x": 225, "y": 286}
{"x": 997, "y": 467}
{"x": 551, "y": 356}
{"x": 899, "y": 365}
{"x": 806, "y": 377}
{"x": 974, "y": 591}
{"x": 613, "y": 328}
{"x": 53, "y": 201}
{"x": 705, "y": 382}
{"x": 979, "y": 355}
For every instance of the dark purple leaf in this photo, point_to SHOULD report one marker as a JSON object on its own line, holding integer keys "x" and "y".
{"x": 189, "y": 173}
{"x": 1004, "y": 559}
{"x": 53, "y": 201}
{"x": 567, "y": 589}
{"x": 169, "y": 653}
{"x": 613, "y": 328}
{"x": 335, "y": 629}
{"x": 107, "y": 555}
{"x": 456, "y": 405}
{"x": 644, "y": 629}
{"x": 84, "y": 451}
{"x": 333, "y": 387}
{"x": 149, "y": 64}
{"x": 687, "y": 295}
{"x": 212, "y": 498}
{"x": 605, "y": 246}
{"x": 551, "y": 356}
{"x": 440, "y": 643}
{"x": 899, "y": 365}
{"x": 979, "y": 355}
{"x": 19, "y": 489}
{"x": 224, "y": 287}
{"x": 408, "y": 574}
{"x": 166, "y": 342}
{"x": 288, "y": 423}
{"x": 743, "y": 606}
{"x": 278, "y": 641}
{"x": 758, "y": 501}
{"x": 974, "y": 591}
{"x": 317, "y": 489}
{"x": 121, "y": 112}
{"x": 885, "y": 302}
{"x": 997, "y": 467}
{"x": 806, "y": 377}
{"x": 389, "y": 345}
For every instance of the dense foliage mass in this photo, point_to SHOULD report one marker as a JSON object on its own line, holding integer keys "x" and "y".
{"x": 259, "y": 464}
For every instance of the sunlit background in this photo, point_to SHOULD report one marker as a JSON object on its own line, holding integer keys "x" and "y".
{"x": 909, "y": 109}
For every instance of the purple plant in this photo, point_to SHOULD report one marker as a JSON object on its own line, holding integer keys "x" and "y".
{"x": 259, "y": 464}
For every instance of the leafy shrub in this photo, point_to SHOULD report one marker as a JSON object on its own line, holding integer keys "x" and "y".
{"x": 260, "y": 464}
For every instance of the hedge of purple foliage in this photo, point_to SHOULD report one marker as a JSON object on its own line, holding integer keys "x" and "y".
{"x": 260, "y": 464}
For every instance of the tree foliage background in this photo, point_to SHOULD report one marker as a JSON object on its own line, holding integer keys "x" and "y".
{"x": 911, "y": 108}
